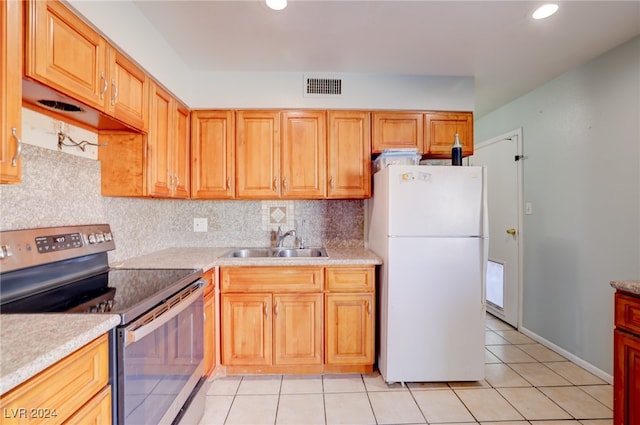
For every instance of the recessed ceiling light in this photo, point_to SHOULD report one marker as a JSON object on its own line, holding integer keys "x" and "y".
{"x": 545, "y": 11}
{"x": 277, "y": 4}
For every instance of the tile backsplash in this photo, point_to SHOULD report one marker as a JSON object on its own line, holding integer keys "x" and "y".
{"x": 60, "y": 189}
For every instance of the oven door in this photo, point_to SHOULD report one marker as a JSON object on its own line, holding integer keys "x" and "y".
{"x": 160, "y": 359}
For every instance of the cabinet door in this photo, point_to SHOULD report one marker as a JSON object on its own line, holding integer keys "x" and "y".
{"x": 11, "y": 88}
{"x": 128, "y": 91}
{"x": 393, "y": 130}
{"x": 212, "y": 155}
{"x": 65, "y": 53}
{"x": 349, "y": 329}
{"x": 258, "y": 154}
{"x": 626, "y": 378}
{"x": 349, "y": 154}
{"x": 246, "y": 329}
{"x": 303, "y": 146}
{"x": 159, "y": 143}
{"x": 180, "y": 152}
{"x": 441, "y": 127}
{"x": 297, "y": 329}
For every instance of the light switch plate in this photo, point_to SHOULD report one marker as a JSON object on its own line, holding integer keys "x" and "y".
{"x": 528, "y": 208}
{"x": 199, "y": 224}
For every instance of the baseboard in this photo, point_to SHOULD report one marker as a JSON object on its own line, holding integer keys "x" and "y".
{"x": 564, "y": 353}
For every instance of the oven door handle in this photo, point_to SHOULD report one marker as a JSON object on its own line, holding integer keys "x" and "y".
{"x": 163, "y": 313}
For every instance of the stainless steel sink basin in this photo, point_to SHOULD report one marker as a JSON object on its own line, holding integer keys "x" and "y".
{"x": 277, "y": 252}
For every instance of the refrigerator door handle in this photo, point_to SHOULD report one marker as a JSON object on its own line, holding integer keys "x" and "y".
{"x": 485, "y": 233}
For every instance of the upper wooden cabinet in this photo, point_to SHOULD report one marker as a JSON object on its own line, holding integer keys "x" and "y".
{"x": 349, "y": 154}
{"x": 11, "y": 88}
{"x": 280, "y": 154}
{"x": 397, "y": 129}
{"x": 128, "y": 91}
{"x": 168, "y": 162}
{"x": 431, "y": 132}
{"x": 258, "y": 154}
{"x": 440, "y": 130}
{"x": 212, "y": 154}
{"x": 67, "y": 55}
{"x": 303, "y": 147}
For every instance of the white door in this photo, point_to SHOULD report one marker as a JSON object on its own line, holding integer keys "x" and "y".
{"x": 503, "y": 158}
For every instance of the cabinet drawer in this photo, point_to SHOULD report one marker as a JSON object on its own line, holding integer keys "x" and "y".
{"x": 350, "y": 279}
{"x": 271, "y": 279}
{"x": 64, "y": 387}
{"x": 627, "y": 314}
{"x": 96, "y": 411}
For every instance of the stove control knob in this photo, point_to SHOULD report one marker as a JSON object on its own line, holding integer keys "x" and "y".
{"x": 100, "y": 237}
{"x": 91, "y": 238}
{"x": 5, "y": 251}
{"x": 108, "y": 236}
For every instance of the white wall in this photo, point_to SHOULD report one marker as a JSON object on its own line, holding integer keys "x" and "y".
{"x": 581, "y": 136}
{"x": 359, "y": 91}
{"x": 127, "y": 28}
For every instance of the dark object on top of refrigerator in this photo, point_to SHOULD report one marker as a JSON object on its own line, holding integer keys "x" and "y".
{"x": 456, "y": 151}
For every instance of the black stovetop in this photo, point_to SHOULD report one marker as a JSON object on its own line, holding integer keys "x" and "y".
{"x": 127, "y": 292}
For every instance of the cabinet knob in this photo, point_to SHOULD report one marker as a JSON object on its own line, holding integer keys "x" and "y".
{"x": 511, "y": 232}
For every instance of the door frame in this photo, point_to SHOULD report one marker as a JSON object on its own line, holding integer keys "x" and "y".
{"x": 520, "y": 208}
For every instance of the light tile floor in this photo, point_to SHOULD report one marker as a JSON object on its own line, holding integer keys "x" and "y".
{"x": 525, "y": 383}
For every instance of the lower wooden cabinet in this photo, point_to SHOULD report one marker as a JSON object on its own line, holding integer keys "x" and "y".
{"x": 626, "y": 353}
{"x": 350, "y": 318}
{"x": 210, "y": 322}
{"x": 76, "y": 389}
{"x": 297, "y": 319}
{"x": 246, "y": 329}
{"x": 297, "y": 329}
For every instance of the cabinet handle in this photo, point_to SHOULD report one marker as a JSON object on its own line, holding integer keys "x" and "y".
{"x": 228, "y": 182}
{"x": 114, "y": 92}
{"x": 266, "y": 311}
{"x": 284, "y": 184}
{"x": 368, "y": 308}
{"x": 331, "y": 183}
{"x": 275, "y": 184}
{"x": 105, "y": 85}
{"x": 14, "y": 160}
{"x": 275, "y": 309}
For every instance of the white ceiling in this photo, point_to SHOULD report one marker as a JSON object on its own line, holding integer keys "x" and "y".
{"x": 496, "y": 42}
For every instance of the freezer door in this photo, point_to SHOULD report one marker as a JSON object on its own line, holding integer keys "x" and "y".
{"x": 435, "y": 201}
{"x": 432, "y": 310}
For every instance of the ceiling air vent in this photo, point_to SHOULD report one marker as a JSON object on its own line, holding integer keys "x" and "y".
{"x": 317, "y": 86}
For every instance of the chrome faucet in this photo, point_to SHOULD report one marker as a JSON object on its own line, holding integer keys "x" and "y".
{"x": 281, "y": 236}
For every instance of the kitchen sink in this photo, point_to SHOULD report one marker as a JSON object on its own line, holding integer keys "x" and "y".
{"x": 276, "y": 252}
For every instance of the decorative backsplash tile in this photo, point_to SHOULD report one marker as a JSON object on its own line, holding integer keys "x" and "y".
{"x": 278, "y": 214}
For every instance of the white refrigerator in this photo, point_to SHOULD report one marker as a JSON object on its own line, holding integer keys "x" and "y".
{"x": 430, "y": 226}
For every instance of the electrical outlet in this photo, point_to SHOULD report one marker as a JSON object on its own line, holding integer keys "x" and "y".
{"x": 199, "y": 224}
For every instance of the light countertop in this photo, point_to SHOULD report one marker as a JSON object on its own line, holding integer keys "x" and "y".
{"x": 29, "y": 343}
{"x": 632, "y": 286}
{"x": 207, "y": 258}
